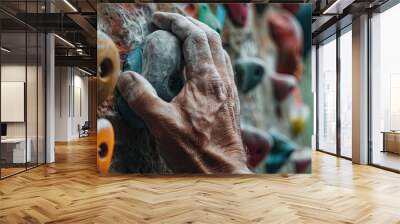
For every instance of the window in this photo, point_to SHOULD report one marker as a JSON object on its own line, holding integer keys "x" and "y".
{"x": 346, "y": 95}
{"x": 22, "y": 78}
{"x": 385, "y": 89}
{"x": 327, "y": 96}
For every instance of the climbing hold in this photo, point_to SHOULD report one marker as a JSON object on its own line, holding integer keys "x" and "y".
{"x": 105, "y": 145}
{"x": 220, "y": 14}
{"x": 297, "y": 125}
{"x": 133, "y": 61}
{"x": 206, "y": 16}
{"x": 258, "y": 145}
{"x": 283, "y": 85}
{"x": 287, "y": 34}
{"x": 238, "y": 13}
{"x": 189, "y": 9}
{"x": 107, "y": 66}
{"x": 248, "y": 73}
{"x": 281, "y": 150}
{"x": 161, "y": 64}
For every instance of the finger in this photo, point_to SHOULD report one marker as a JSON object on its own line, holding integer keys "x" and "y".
{"x": 234, "y": 92}
{"x": 230, "y": 77}
{"x": 229, "y": 68}
{"x": 214, "y": 41}
{"x": 142, "y": 97}
{"x": 196, "y": 50}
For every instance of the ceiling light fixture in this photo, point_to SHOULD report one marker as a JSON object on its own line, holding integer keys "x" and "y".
{"x": 328, "y": 10}
{"x": 70, "y": 5}
{"x": 84, "y": 71}
{"x": 65, "y": 41}
{"x": 5, "y": 50}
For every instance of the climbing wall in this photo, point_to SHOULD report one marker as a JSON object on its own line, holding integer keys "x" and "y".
{"x": 270, "y": 49}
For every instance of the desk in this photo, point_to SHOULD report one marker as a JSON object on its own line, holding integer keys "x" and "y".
{"x": 391, "y": 141}
{"x": 13, "y": 150}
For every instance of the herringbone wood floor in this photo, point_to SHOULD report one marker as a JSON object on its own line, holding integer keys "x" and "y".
{"x": 70, "y": 191}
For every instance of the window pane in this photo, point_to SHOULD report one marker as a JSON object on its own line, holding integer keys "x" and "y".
{"x": 14, "y": 153}
{"x": 385, "y": 88}
{"x": 31, "y": 97}
{"x": 327, "y": 97}
{"x": 346, "y": 94}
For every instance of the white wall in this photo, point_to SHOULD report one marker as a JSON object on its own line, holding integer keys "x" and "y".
{"x": 33, "y": 127}
{"x": 12, "y": 73}
{"x": 61, "y": 103}
{"x": 71, "y": 94}
{"x": 16, "y": 73}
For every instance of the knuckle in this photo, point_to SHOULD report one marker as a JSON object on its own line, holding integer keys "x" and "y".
{"x": 217, "y": 88}
{"x": 127, "y": 80}
{"x": 206, "y": 69}
{"x": 199, "y": 36}
{"x": 122, "y": 82}
{"x": 213, "y": 36}
{"x": 177, "y": 23}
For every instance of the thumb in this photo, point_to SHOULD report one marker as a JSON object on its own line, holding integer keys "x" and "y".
{"x": 141, "y": 96}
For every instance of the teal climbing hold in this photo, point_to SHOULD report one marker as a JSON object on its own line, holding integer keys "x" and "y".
{"x": 207, "y": 16}
{"x": 161, "y": 64}
{"x": 220, "y": 14}
{"x": 280, "y": 153}
{"x": 134, "y": 60}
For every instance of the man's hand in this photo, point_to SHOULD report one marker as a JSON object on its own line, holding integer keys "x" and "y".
{"x": 198, "y": 131}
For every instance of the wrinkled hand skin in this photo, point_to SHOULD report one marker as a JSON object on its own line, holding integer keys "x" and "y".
{"x": 198, "y": 131}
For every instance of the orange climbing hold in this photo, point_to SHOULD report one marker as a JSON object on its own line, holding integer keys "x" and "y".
{"x": 105, "y": 145}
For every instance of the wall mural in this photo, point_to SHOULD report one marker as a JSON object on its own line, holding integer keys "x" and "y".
{"x": 268, "y": 50}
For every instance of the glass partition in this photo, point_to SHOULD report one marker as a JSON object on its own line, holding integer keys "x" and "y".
{"x": 346, "y": 93}
{"x": 22, "y": 89}
{"x": 13, "y": 94}
{"x": 385, "y": 89}
{"x": 327, "y": 96}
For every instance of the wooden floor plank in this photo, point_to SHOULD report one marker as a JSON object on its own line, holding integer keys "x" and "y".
{"x": 71, "y": 191}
